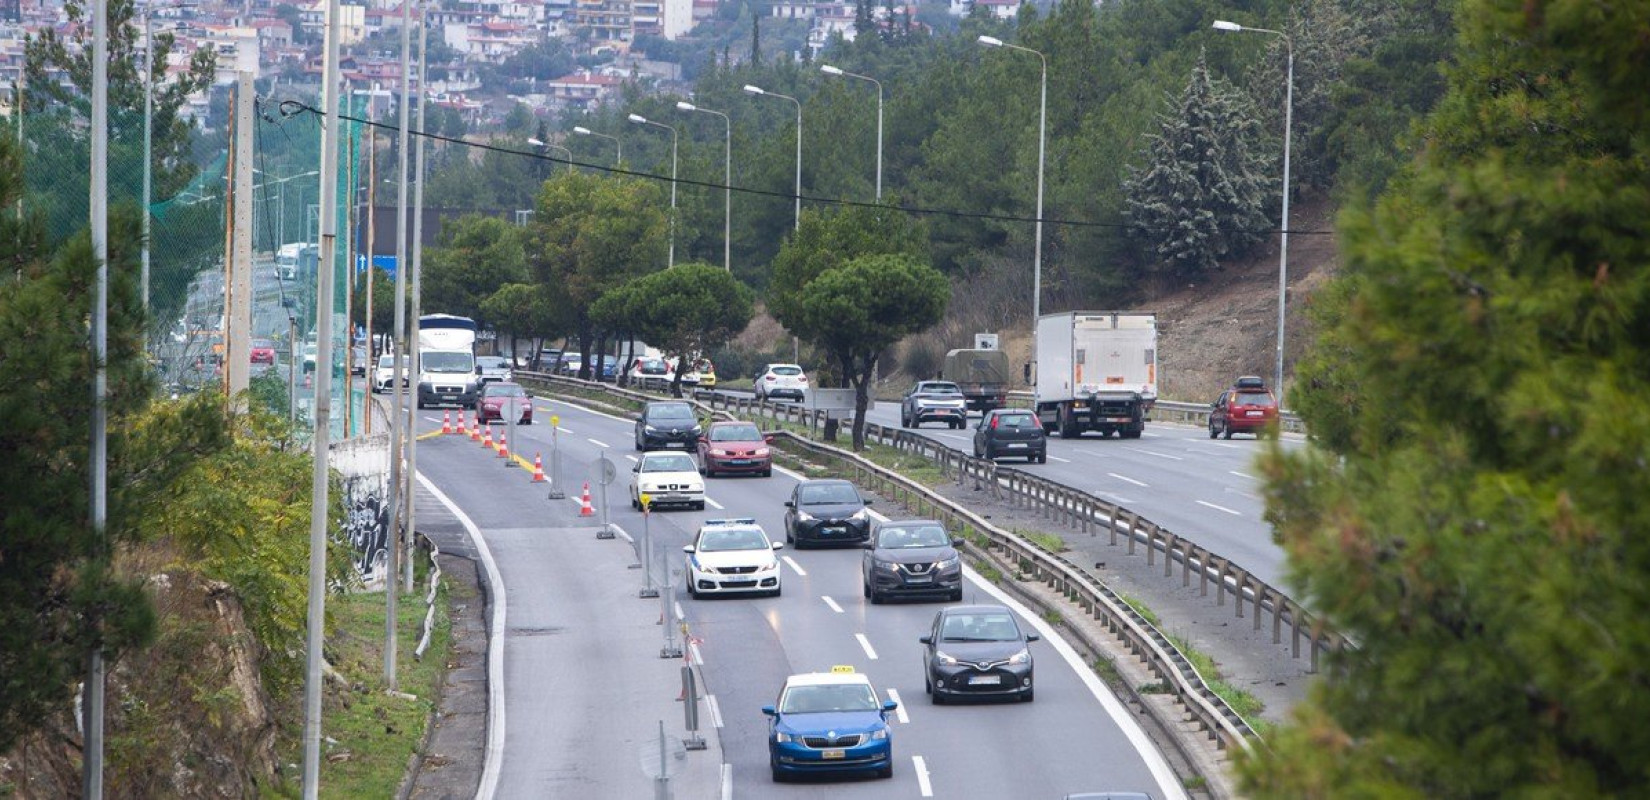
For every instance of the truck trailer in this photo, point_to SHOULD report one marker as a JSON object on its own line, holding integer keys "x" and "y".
{"x": 1096, "y": 371}
{"x": 447, "y": 361}
{"x": 981, "y": 374}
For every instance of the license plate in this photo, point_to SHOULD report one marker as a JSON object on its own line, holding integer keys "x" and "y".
{"x": 1016, "y": 444}
{"x": 740, "y": 462}
{"x": 830, "y": 754}
{"x": 919, "y": 579}
{"x": 1254, "y": 413}
{"x": 835, "y": 530}
{"x": 985, "y": 680}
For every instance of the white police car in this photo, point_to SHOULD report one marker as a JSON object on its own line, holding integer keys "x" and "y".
{"x": 730, "y": 556}
{"x": 829, "y": 722}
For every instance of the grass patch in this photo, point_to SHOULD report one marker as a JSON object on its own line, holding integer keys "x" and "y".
{"x": 1246, "y": 705}
{"x": 1053, "y": 617}
{"x": 1140, "y": 608}
{"x": 1153, "y": 688}
{"x": 1195, "y": 782}
{"x": 1047, "y": 541}
{"x": 989, "y": 572}
{"x": 376, "y": 733}
{"x": 1107, "y": 670}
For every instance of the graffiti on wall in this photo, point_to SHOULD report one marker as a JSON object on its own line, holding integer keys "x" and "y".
{"x": 364, "y": 465}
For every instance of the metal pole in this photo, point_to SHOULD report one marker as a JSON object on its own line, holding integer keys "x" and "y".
{"x": 291, "y": 369}
{"x": 399, "y": 481}
{"x": 879, "y": 138}
{"x": 323, "y": 411}
{"x": 727, "y": 196}
{"x": 92, "y": 702}
{"x": 798, "y": 224}
{"x": 661, "y": 785}
{"x": 1037, "y": 253}
{"x": 372, "y": 192}
{"x": 415, "y": 302}
{"x": 148, "y": 146}
{"x": 556, "y": 492}
{"x": 673, "y": 137}
{"x": 646, "y": 556}
{"x": 667, "y": 617}
{"x": 1283, "y": 245}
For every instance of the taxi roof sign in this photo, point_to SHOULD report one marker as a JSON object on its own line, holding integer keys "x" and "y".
{"x": 842, "y": 669}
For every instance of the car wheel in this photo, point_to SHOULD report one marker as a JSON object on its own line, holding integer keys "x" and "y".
{"x": 956, "y": 426}
{"x": 778, "y": 590}
{"x": 1068, "y": 426}
{"x": 876, "y": 597}
{"x": 1226, "y": 430}
{"x": 635, "y": 505}
{"x": 956, "y": 595}
{"x": 1028, "y": 695}
{"x": 888, "y": 771}
{"x": 699, "y": 506}
{"x": 778, "y": 775}
{"x": 990, "y": 455}
{"x": 936, "y": 696}
{"x": 527, "y": 421}
{"x": 1212, "y": 432}
{"x": 904, "y": 419}
{"x": 767, "y": 473}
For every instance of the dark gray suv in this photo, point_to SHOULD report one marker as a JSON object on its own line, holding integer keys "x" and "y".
{"x": 667, "y": 424}
{"x": 1013, "y": 432}
{"x": 912, "y": 557}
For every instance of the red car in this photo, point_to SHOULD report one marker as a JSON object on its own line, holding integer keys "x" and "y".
{"x": 263, "y": 351}
{"x": 735, "y": 448}
{"x": 495, "y": 399}
{"x": 1247, "y": 407}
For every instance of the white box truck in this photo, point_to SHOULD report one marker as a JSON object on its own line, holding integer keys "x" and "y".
{"x": 1096, "y": 371}
{"x": 447, "y": 361}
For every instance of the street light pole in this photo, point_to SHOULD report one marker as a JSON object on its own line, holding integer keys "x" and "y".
{"x": 727, "y": 183}
{"x": 548, "y": 146}
{"x": 1283, "y": 224}
{"x": 756, "y": 90}
{"x": 830, "y": 70}
{"x": 618, "y": 160}
{"x": 641, "y": 120}
{"x": 148, "y": 144}
{"x": 1042, "y": 138}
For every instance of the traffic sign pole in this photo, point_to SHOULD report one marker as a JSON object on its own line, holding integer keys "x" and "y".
{"x": 605, "y": 472}
{"x": 648, "y": 589}
{"x": 556, "y": 492}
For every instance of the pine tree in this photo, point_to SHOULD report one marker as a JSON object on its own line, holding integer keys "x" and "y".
{"x": 1475, "y": 519}
{"x": 1201, "y": 196}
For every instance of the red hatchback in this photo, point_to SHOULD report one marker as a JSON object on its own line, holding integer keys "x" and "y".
{"x": 735, "y": 448}
{"x": 496, "y": 398}
{"x": 263, "y": 351}
{"x": 1247, "y": 407}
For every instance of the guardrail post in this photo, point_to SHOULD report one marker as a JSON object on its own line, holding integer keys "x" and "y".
{"x": 1151, "y": 545}
{"x": 1262, "y": 591}
{"x": 1169, "y": 542}
{"x": 1237, "y": 604}
{"x": 1134, "y": 527}
{"x": 1220, "y": 584}
{"x": 1185, "y": 564}
{"x": 1278, "y": 604}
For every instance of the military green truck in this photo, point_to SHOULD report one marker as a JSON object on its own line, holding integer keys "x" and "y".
{"x": 981, "y": 374}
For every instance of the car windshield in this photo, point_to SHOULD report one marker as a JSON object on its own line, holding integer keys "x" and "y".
{"x": 263, "y": 344}
{"x": 505, "y": 390}
{"x": 786, "y": 370}
{"x": 492, "y": 362}
{"x": 902, "y": 536}
{"x": 1252, "y": 399}
{"x": 669, "y": 462}
{"x": 828, "y": 698}
{"x": 939, "y": 388}
{"x": 438, "y": 361}
{"x": 670, "y": 413}
{"x": 986, "y": 627}
{"x": 735, "y": 433}
{"x": 651, "y": 365}
{"x": 1015, "y": 421}
{"x": 828, "y": 494}
{"x": 386, "y": 362}
{"x": 720, "y": 541}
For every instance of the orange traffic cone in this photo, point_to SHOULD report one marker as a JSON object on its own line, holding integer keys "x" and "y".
{"x": 503, "y": 447}
{"x": 447, "y": 421}
{"x": 487, "y": 437}
{"x": 538, "y": 469}
{"x": 585, "y": 509}
{"x": 475, "y": 430}
{"x": 461, "y": 431}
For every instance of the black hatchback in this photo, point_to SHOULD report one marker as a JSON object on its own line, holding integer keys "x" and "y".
{"x": 912, "y": 557}
{"x": 1012, "y": 432}
{"x": 667, "y": 424}
{"x": 826, "y": 511}
{"x": 977, "y": 651}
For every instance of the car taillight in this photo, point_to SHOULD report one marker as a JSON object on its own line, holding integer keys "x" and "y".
{"x": 994, "y": 421}
{"x": 801, "y": 379}
{"x": 769, "y": 378}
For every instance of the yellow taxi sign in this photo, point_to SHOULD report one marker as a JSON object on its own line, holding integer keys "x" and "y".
{"x": 842, "y": 669}
{"x": 555, "y": 420}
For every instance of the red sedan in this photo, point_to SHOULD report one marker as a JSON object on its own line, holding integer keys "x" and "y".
{"x": 263, "y": 351}
{"x": 497, "y": 397}
{"x": 734, "y": 448}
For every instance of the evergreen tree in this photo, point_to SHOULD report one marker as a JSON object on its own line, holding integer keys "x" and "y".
{"x": 1475, "y": 520}
{"x": 1200, "y": 197}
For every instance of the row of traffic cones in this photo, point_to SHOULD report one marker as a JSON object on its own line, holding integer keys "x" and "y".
{"x": 484, "y": 434}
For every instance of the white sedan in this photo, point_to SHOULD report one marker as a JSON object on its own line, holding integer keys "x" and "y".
{"x": 732, "y": 556}
{"x": 667, "y": 478}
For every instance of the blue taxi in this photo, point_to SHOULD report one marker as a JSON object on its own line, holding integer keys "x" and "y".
{"x": 828, "y": 722}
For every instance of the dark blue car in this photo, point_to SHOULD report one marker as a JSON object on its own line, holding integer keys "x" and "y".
{"x": 827, "y": 722}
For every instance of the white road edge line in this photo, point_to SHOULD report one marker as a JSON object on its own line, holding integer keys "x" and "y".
{"x": 679, "y": 614}
{"x": 899, "y": 710}
{"x": 1241, "y": 474}
{"x": 1168, "y": 783}
{"x": 866, "y": 645}
{"x": 795, "y": 566}
{"x": 919, "y": 766}
{"x": 1059, "y": 459}
{"x": 832, "y": 604}
{"x": 698, "y": 658}
{"x": 714, "y": 709}
{"x": 1129, "y": 480}
{"x": 598, "y": 443}
{"x": 495, "y": 648}
{"x": 1155, "y": 453}
{"x": 727, "y": 781}
{"x": 1219, "y": 508}
{"x": 714, "y": 504}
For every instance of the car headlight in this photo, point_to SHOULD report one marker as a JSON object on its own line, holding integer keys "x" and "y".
{"x": 768, "y": 567}
{"x": 803, "y": 516}
{"x": 1022, "y": 657}
{"x": 650, "y": 488}
{"x": 761, "y": 451}
{"x": 780, "y": 737}
{"x": 879, "y": 734}
{"x": 862, "y": 514}
{"x": 697, "y": 430}
{"x": 948, "y": 563}
{"x": 943, "y": 659}
{"x": 650, "y": 429}
{"x": 885, "y": 566}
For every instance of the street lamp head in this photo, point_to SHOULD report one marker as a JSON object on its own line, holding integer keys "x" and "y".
{"x": 991, "y": 41}
{"x": 749, "y": 89}
{"x": 581, "y": 130}
{"x": 638, "y": 119}
{"x": 830, "y": 70}
{"x": 686, "y": 106}
{"x": 535, "y": 142}
{"x": 1223, "y": 25}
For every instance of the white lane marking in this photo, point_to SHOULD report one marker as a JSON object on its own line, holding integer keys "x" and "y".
{"x": 1241, "y": 474}
{"x": 714, "y": 504}
{"x": 1121, "y": 500}
{"x": 495, "y": 648}
{"x": 432, "y": 419}
{"x": 920, "y": 767}
{"x": 1229, "y": 446}
{"x": 563, "y": 430}
{"x": 698, "y": 658}
{"x": 1219, "y": 508}
{"x": 1127, "y": 480}
{"x": 789, "y": 473}
{"x": 795, "y": 566}
{"x": 866, "y": 644}
{"x": 1155, "y": 453}
{"x": 679, "y": 614}
{"x": 727, "y": 781}
{"x": 832, "y": 604}
{"x": 1168, "y": 783}
{"x": 714, "y": 709}
{"x": 1059, "y": 459}
{"x": 633, "y": 458}
{"x": 899, "y": 711}
{"x": 598, "y": 443}
{"x": 1244, "y": 495}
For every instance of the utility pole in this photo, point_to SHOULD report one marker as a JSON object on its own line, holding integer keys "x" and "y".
{"x": 98, "y": 454}
{"x": 398, "y": 418}
{"x": 238, "y": 315}
{"x": 416, "y": 302}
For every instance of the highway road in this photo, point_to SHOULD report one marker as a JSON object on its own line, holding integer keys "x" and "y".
{"x": 563, "y": 669}
{"x": 1203, "y": 489}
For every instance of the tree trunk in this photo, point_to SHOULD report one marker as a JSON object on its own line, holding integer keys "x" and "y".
{"x": 861, "y": 380}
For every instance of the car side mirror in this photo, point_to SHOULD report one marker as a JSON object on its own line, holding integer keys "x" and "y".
{"x": 869, "y": 546}
{"x": 867, "y": 502}
{"x": 769, "y": 710}
{"x": 687, "y": 548}
{"x": 1032, "y": 637}
{"x": 767, "y": 438}
{"x": 637, "y": 468}
{"x": 926, "y": 639}
{"x": 779, "y": 545}
{"x": 889, "y": 705}
{"x": 956, "y": 541}
{"x": 790, "y": 504}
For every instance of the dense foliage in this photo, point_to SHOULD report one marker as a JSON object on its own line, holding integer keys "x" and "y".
{"x": 1475, "y": 523}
